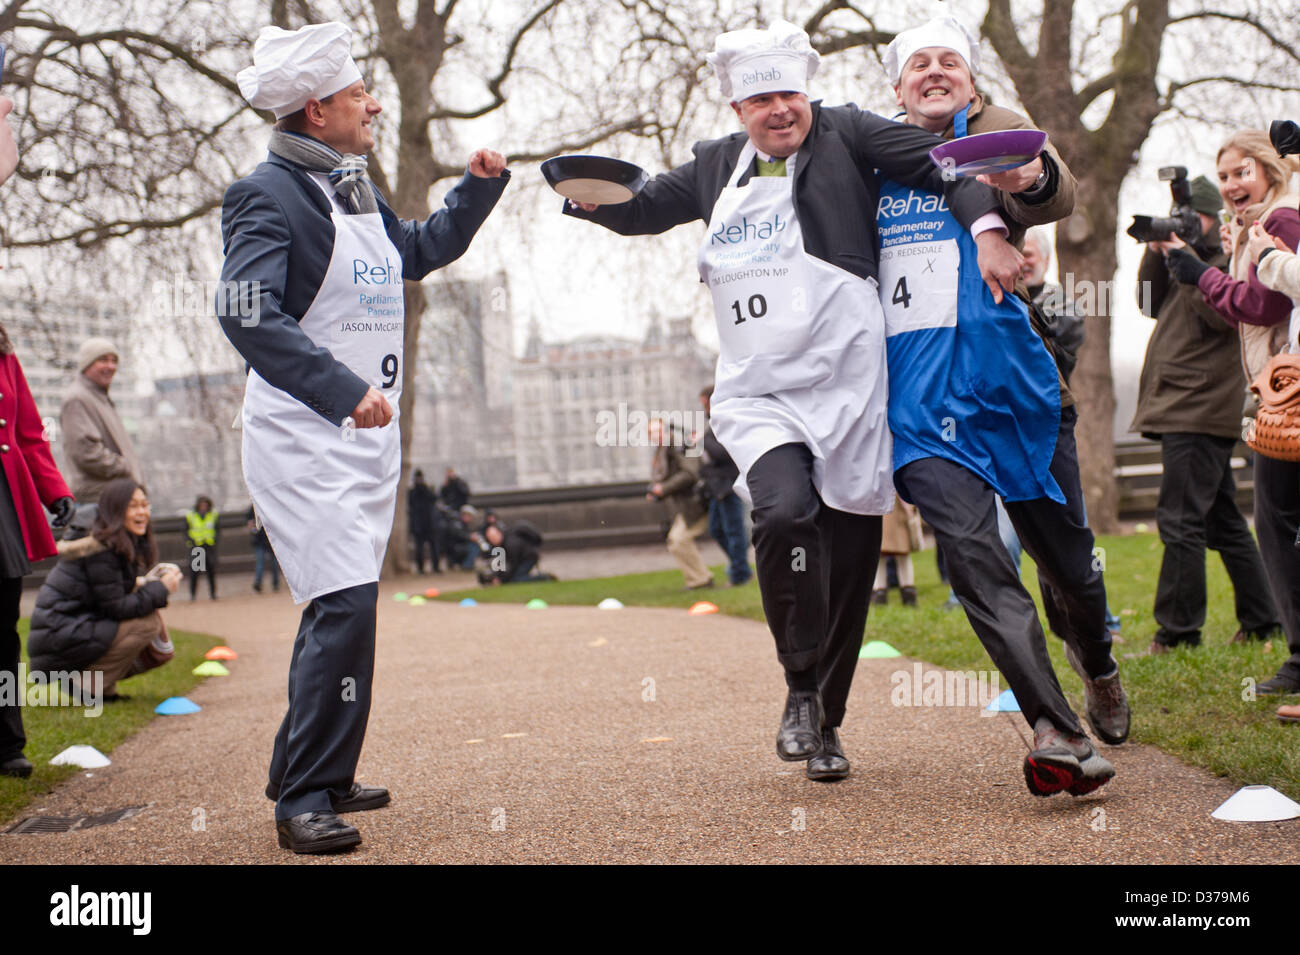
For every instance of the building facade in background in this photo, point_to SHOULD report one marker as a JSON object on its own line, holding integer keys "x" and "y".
{"x": 579, "y": 406}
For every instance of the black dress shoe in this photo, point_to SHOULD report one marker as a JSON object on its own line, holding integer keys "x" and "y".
{"x": 19, "y": 766}
{"x": 800, "y": 736}
{"x": 359, "y": 798}
{"x": 316, "y": 832}
{"x": 831, "y": 764}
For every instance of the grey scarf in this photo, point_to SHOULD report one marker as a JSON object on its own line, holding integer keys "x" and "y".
{"x": 347, "y": 172}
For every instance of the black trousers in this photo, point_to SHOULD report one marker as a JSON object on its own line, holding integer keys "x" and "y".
{"x": 427, "y": 542}
{"x": 815, "y": 569}
{"x": 319, "y": 741}
{"x": 959, "y": 506}
{"x": 209, "y": 566}
{"x": 12, "y": 736}
{"x": 1198, "y": 509}
{"x": 1277, "y": 522}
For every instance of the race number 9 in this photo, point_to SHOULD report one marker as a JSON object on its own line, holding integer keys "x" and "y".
{"x": 388, "y": 367}
{"x": 757, "y": 306}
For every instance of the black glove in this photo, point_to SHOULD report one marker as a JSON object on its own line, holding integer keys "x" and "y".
{"x": 63, "y": 509}
{"x": 1185, "y": 266}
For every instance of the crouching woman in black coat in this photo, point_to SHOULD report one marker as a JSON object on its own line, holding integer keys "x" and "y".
{"x": 98, "y": 609}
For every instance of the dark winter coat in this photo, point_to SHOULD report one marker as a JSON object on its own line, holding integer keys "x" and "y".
{"x": 1191, "y": 379}
{"x": 81, "y": 603}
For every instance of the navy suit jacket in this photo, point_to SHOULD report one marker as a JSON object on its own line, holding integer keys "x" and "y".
{"x": 276, "y": 231}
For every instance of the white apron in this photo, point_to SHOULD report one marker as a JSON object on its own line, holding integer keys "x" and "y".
{"x": 326, "y": 494}
{"x": 802, "y": 356}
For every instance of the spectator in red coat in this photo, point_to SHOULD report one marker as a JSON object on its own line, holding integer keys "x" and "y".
{"x": 31, "y": 480}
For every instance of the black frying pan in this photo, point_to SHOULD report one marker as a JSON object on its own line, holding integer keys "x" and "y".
{"x": 596, "y": 179}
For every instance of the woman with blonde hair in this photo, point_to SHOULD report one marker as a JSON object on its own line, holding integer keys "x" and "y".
{"x": 1256, "y": 185}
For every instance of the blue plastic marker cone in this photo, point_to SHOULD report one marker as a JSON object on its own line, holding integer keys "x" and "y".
{"x": 177, "y": 706}
{"x": 877, "y": 650}
{"x": 1005, "y": 703}
{"x": 469, "y": 602}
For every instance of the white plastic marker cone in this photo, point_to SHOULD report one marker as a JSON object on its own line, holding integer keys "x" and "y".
{"x": 610, "y": 603}
{"x": 1005, "y": 703}
{"x": 1257, "y": 804}
{"x": 87, "y": 757}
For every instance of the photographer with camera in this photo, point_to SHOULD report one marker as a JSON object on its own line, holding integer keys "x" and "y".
{"x": 1188, "y": 399}
{"x": 1255, "y": 182}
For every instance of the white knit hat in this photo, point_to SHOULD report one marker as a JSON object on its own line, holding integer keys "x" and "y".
{"x": 293, "y": 66}
{"x": 946, "y": 32}
{"x": 752, "y": 62}
{"x": 93, "y": 349}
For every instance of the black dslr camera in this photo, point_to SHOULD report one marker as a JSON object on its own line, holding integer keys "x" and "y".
{"x": 1182, "y": 220}
{"x": 1285, "y": 137}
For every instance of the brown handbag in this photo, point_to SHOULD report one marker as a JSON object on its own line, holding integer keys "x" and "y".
{"x": 1275, "y": 432}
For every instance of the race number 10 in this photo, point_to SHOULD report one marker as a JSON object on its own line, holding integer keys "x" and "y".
{"x": 757, "y": 306}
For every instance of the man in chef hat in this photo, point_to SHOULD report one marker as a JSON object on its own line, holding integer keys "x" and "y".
{"x": 326, "y": 257}
{"x": 1014, "y": 426}
{"x": 800, "y": 394}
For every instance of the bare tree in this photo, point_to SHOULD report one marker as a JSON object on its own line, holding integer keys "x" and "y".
{"x": 132, "y": 126}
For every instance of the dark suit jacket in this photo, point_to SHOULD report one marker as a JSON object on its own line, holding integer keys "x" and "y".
{"x": 836, "y": 188}
{"x": 276, "y": 230}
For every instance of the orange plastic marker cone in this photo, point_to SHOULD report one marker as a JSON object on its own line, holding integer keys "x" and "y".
{"x": 703, "y": 607}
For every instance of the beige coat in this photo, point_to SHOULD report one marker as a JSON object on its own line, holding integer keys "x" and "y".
{"x": 1280, "y": 271}
{"x": 95, "y": 441}
{"x": 1259, "y": 343}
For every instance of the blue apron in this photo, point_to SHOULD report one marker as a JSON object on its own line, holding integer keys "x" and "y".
{"x": 969, "y": 379}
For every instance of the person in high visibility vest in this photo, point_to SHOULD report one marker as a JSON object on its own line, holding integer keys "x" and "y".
{"x": 201, "y": 530}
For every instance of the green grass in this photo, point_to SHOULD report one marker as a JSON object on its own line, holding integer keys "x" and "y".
{"x": 52, "y": 729}
{"x": 1188, "y": 703}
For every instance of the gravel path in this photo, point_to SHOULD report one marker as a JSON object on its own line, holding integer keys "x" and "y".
{"x": 578, "y": 735}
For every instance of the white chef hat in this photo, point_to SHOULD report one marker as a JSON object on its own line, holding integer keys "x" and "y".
{"x": 751, "y": 62}
{"x": 946, "y": 32}
{"x": 293, "y": 66}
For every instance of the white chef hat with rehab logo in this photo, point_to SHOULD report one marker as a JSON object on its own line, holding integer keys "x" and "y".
{"x": 293, "y": 66}
{"x": 751, "y": 62}
{"x": 947, "y": 32}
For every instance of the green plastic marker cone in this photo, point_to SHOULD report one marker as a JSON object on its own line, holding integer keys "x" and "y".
{"x": 210, "y": 668}
{"x": 401, "y": 595}
{"x": 417, "y": 601}
{"x": 877, "y": 650}
{"x": 537, "y": 603}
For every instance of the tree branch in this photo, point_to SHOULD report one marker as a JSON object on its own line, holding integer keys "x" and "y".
{"x": 495, "y": 83}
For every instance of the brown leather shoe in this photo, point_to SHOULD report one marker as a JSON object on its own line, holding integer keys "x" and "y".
{"x": 1289, "y": 713}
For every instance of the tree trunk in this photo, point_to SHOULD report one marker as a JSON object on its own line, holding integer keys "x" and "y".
{"x": 1085, "y": 245}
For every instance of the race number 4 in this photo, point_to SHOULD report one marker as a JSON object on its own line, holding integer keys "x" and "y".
{"x": 388, "y": 368}
{"x": 901, "y": 295}
{"x": 756, "y": 306}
